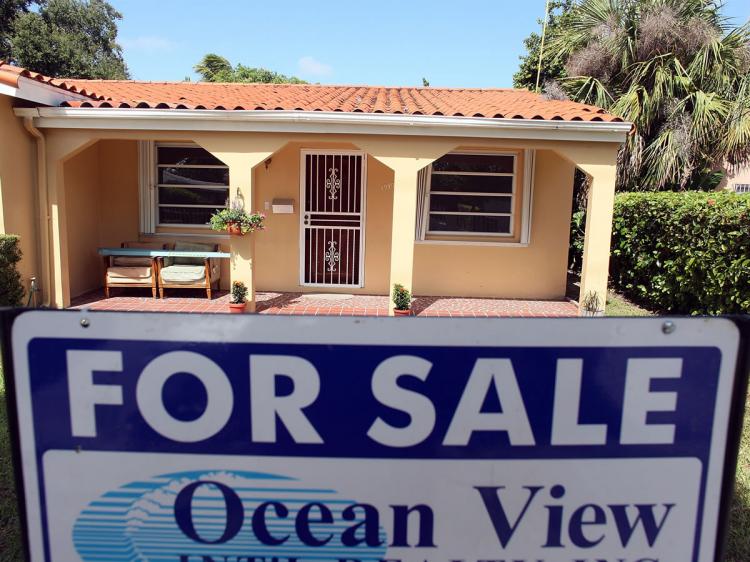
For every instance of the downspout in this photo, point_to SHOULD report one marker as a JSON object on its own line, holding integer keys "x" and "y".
{"x": 42, "y": 197}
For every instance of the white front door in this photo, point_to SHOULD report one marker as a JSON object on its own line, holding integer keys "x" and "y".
{"x": 332, "y": 232}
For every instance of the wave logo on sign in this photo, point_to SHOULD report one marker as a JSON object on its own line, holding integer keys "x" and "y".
{"x": 228, "y": 515}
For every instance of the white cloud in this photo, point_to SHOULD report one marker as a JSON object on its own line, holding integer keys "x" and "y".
{"x": 148, "y": 44}
{"x": 313, "y": 67}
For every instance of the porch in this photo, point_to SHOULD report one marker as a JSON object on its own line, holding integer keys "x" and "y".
{"x": 484, "y": 227}
{"x": 319, "y": 304}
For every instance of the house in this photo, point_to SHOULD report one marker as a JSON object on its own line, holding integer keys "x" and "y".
{"x": 450, "y": 192}
{"x": 736, "y": 178}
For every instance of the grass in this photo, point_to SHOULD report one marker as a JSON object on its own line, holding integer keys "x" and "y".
{"x": 738, "y": 540}
{"x": 617, "y": 305}
{"x": 10, "y": 533}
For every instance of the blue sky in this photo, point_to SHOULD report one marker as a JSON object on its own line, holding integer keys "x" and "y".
{"x": 473, "y": 43}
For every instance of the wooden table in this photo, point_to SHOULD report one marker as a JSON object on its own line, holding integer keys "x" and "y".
{"x": 146, "y": 253}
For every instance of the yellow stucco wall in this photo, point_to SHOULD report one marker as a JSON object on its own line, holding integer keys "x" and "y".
{"x": 110, "y": 168}
{"x": 102, "y": 183}
{"x": 278, "y": 247}
{"x": 83, "y": 201}
{"x": 534, "y": 271}
{"x": 102, "y": 206}
{"x": 18, "y": 209}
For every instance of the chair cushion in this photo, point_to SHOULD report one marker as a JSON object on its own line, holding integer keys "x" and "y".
{"x": 192, "y": 247}
{"x": 128, "y": 261}
{"x": 128, "y": 274}
{"x": 183, "y": 273}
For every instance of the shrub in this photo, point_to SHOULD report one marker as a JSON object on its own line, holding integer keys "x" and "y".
{"x": 686, "y": 253}
{"x": 401, "y": 297}
{"x": 239, "y": 292}
{"x": 11, "y": 290}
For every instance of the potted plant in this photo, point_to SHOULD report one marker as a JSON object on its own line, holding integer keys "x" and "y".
{"x": 591, "y": 305}
{"x": 401, "y": 300}
{"x": 236, "y": 221}
{"x": 239, "y": 298}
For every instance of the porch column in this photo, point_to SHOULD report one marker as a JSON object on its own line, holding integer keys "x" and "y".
{"x": 596, "y": 246}
{"x": 242, "y": 248}
{"x": 402, "y": 229}
{"x": 241, "y": 154}
{"x": 405, "y": 156}
{"x": 599, "y": 161}
{"x": 60, "y": 147}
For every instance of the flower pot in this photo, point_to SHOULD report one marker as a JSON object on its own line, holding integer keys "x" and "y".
{"x": 237, "y": 307}
{"x": 398, "y": 312}
{"x": 234, "y": 229}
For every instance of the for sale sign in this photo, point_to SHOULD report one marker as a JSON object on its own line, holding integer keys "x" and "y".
{"x": 192, "y": 438}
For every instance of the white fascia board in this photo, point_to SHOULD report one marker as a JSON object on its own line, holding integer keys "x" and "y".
{"x": 7, "y": 90}
{"x": 39, "y": 92}
{"x": 273, "y": 121}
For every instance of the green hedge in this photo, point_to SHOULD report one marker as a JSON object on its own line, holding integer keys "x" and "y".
{"x": 11, "y": 290}
{"x": 686, "y": 253}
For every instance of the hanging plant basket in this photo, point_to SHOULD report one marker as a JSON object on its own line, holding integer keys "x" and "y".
{"x": 234, "y": 229}
{"x": 236, "y": 221}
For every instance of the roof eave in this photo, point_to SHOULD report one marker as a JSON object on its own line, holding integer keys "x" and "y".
{"x": 323, "y": 122}
{"x": 39, "y": 92}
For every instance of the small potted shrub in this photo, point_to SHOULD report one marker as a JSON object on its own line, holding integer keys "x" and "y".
{"x": 236, "y": 221}
{"x": 238, "y": 303}
{"x": 591, "y": 305}
{"x": 401, "y": 300}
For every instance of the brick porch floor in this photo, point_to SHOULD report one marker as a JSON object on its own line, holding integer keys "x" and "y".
{"x": 321, "y": 304}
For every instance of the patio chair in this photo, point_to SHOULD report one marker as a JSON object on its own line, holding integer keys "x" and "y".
{"x": 127, "y": 271}
{"x": 188, "y": 272}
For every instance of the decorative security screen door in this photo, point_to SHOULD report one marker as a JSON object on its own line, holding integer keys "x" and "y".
{"x": 332, "y": 233}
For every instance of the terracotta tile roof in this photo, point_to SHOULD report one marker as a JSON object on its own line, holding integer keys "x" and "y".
{"x": 9, "y": 75}
{"x": 468, "y": 102}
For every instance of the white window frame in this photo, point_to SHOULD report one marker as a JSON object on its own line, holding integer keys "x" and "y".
{"x": 511, "y": 195}
{"x": 146, "y": 189}
{"x": 741, "y": 187}
{"x": 149, "y": 186}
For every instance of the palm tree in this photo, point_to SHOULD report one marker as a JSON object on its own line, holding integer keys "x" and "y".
{"x": 675, "y": 68}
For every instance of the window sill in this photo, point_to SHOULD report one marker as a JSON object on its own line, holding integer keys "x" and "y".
{"x": 472, "y": 243}
{"x": 177, "y": 234}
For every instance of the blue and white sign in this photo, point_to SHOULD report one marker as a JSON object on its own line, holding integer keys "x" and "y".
{"x": 187, "y": 438}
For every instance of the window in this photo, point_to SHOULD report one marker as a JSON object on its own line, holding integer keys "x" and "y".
{"x": 190, "y": 185}
{"x": 742, "y": 188}
{"x": 472, "y": 194}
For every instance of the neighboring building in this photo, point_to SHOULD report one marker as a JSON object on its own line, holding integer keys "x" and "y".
{"x": 451, "y": 192}
{"x": 736, "y": 179}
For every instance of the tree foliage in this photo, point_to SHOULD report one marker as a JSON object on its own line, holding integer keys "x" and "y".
{"x": 676, "y": 69}
{"x": 552, "y": 67}
{"x": 68, "y": 38}
{"x": 9, "y": 10}
{"x": 215, "y": 68}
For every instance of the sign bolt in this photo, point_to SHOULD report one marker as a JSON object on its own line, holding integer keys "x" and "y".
{"x": 84, "y": 322}
{"x": 668, "y": 327}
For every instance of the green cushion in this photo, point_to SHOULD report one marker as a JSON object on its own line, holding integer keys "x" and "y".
{"x": 183, "y": 274}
